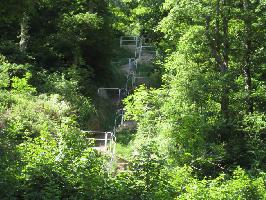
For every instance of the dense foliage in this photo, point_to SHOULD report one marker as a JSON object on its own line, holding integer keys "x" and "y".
{"x": 211, "y": 106}
{"x": 201, "y": 134}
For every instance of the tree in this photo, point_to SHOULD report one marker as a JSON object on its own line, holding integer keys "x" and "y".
{"x": 209, "y": 70}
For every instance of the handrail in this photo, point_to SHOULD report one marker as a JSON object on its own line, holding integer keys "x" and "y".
{"x": 132, "y": 62}
{"x": 95, "y": 132}
{"x": 141, "y": 77}
{"x": 109, "y": 140}
{"x": 122, "y": 119}
{"x": 108, "y": 89}
{"x": 143, "y": 46}
{"x": 139, "y": 49}
{"x": 132, "y": 75}
{"x": 119, "y": 91}
{"x": 98, "y": 139}
{"x": 132, "y": 39}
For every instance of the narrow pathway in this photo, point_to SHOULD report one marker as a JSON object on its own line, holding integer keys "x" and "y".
{"x": 105, "y": 142}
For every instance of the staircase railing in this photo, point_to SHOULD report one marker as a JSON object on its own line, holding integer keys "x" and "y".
{"x": 107, "y": 141}
{"x": 129, "y": 40}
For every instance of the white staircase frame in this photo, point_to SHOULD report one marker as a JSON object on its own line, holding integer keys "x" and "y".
{"x": 118, "y": 89}
{"x": 109, "y": 141}
{"x": 132, "y": 40}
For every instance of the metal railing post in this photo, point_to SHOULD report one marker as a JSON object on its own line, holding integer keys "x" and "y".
{"x": 122, "y": 118}
{"x": 133, "y": 80}
{"x": 126, "y": 82}
{"x": 140, "y": 51}
{"x": 114, "y": 142}
{"x": 129, "y": 63}
{"x": 105, "y": 140}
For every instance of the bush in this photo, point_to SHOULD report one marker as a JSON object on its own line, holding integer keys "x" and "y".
{"x": 44, "y": 154}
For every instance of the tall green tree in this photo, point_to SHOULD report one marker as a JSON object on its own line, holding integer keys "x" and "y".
{"x": 212, "y": 84}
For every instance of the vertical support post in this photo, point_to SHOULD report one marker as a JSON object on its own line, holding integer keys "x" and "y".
{"x": 126, "y": 84}
{"x": 111, "y": 144}
{"x": 140, "y": 51}
{"x": 119, "y": 94}
{"x": 105, "y": 140}
{"x": 122, "y": 117}
{"x": 114, "y": 145}
{"x": 133, "y": 80}
{"x": 115, "y": 122}
{"x": 121, "y": 41}
{"x": 129, "y": 63}
{"x": 126, "y": 88}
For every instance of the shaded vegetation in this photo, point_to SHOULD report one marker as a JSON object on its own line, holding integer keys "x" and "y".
{"x": 201, "y": 128}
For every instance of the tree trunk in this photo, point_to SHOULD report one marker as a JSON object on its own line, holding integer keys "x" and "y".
{"x": 24, "y": 33}
{"x": 224, "y": 66}
{"x": 247, "y": 56}
{"x": 219, "y": 45}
